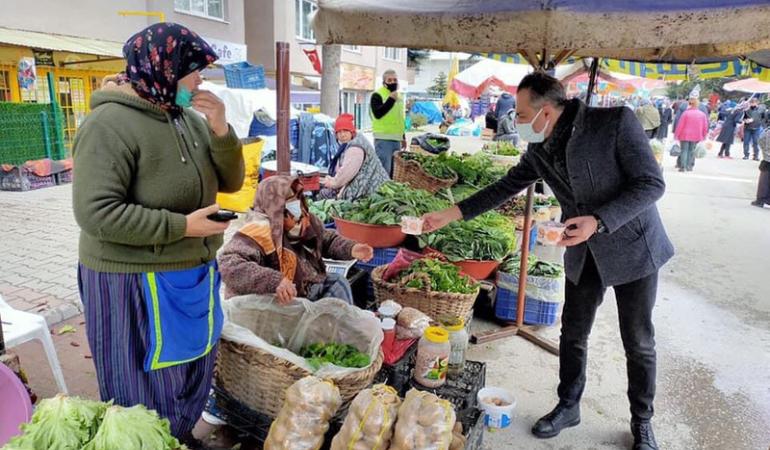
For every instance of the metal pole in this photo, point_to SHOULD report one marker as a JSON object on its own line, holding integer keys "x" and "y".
{"x": 524, "y": 256}
{"x": 283, "y": 88}
{"x": 592, "y": 80}
{"x": 58, "y": 131}
{"x": 46, "y": 134}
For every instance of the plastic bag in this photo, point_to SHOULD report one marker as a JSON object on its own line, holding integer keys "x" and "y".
{"x": 675, "y": 150}
{"x": 370, "y": 420}
{"x": 538, "y": 288}
{"x": 259, "y": 321}
{"x": 411, "y": 323}
{"x": 658, "y": 148}
{"x": 242, "y": 200}
{"x": 404, "y": 258}
{"x": 304, "y": 418}
{"x": 425, "y": 422}
{"x": 701, "y": 149}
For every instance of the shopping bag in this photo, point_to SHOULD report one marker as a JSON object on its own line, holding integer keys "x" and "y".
{"x": 242, "y": 200}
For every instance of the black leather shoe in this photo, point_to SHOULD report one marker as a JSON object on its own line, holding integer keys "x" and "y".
{"x": 561, "y": 417}
{"x": 644, "y": 438}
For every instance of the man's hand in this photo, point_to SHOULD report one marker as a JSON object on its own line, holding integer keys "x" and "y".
{"x": 439, "y": 219}
{"x": 213, "y": 108}
{"x": 394, "y": 95}
{"x": 285, "y": 292}
{"x": 579, "y": 230}
{"x": 363, "y": 252}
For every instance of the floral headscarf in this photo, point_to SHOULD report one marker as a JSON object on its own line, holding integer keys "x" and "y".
{"x": 159, "y": 56}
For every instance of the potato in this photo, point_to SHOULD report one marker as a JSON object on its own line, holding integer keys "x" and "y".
{"x": 424, "y": 422}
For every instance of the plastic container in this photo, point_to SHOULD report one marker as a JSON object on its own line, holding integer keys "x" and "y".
{"x": 479, "y": 270}
{"x": 377, "y": 236}
{"x": 433, "y": 351}
{"x": 388, "y": 311}
{"x": 458, "y": 340}
{"x": 389, "y": 334}
{"x": 16, "y": 407}
{"x": 550, "y": 233}
{"x": 496, "y": 416}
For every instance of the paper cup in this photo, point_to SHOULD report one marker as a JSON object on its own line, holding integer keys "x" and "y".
{"x": 550, "y": 233}
{"x": 411, "y": 225}
{"x": 496, "y": 417}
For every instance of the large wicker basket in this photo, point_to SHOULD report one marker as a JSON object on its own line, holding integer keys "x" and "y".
{"x": 259, "y": 379}
{"x": 435, "y": 304}
{"x": 411, "y": 173}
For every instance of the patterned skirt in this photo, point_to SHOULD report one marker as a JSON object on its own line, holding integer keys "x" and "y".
{"x": 117, "y": 330}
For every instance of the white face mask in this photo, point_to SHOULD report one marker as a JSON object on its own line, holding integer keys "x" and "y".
{"x": 295, "y": 209}
{"x": 528, "y": 133}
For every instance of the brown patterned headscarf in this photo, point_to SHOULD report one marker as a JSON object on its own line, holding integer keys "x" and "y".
{"x": 272, "y": 195}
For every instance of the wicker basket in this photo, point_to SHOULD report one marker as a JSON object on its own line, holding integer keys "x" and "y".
{"x": 411, "y": 173}
{"x": 416, "y": 148}
{"x": 259, "y": 379}
{"x": 434, "y": 304}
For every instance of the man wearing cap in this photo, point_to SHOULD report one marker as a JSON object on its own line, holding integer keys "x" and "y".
{"x": 355, "y": 171}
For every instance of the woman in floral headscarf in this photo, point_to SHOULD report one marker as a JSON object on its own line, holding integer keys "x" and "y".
{"x": 147, "y": 171}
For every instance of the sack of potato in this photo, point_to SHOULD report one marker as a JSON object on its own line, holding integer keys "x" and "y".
{"x": 424, "y": 422}
{"x": 304, "y": 418}
{"x": 369, "y": 424}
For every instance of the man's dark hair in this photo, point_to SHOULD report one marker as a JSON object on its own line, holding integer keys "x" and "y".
{"x": 543, "y": 88}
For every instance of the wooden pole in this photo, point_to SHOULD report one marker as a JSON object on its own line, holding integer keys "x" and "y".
{"x": 592, "y": 80}
{"x": 283, "y": 89}
{"x": 524, "y": 256}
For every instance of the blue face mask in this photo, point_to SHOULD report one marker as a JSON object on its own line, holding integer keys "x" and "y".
{"x": 183, "y": 96}
{"x": 295, "y": 209}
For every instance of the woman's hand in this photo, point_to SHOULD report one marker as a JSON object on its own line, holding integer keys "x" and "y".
{"x": 328, "y": 182}
{"x": 363, "y": 252}
{"x": 285, "y": 292}
{"x": 214, "y": 110}
{"x": 199, "y": 226}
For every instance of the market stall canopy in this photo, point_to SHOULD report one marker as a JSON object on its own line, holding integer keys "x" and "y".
{"x": 750, "y": 85}
{"x": 473, "y": 81}
{"x": 681, "y": 31}
{"x": 61, "y": 43}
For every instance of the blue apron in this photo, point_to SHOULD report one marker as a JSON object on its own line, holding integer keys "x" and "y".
{"x": 185, "y": 315}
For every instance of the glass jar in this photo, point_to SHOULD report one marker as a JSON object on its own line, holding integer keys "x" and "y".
{"x": 432, "y": 357}
{"x": 458, "y": 341}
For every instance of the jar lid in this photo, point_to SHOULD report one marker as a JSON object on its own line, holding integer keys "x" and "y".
{"x": 387, "y": 310}
{"x": 388, "y": 324}
{"x": 437, "y": 335}
{"x": 455, "y": 324}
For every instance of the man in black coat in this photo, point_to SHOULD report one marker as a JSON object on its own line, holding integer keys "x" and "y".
{"x": 600, "y": 166}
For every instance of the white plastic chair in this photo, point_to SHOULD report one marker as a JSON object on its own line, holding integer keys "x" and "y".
{"x": 20, "y": 327}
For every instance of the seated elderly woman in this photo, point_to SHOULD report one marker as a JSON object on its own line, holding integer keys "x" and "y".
{"x": 281, "y": 248}
{"x": 355, "y": 171}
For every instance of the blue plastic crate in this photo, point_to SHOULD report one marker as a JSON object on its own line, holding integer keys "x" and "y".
{"x": 330, "y": 226}
{"x": 257, "y": 128}
{"x": 536, "y": 312}
{"x": 242, "y": 75}
{"x": 381, "y": 257}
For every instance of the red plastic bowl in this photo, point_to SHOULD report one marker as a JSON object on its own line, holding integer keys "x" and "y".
{"x": 378, "y": 236}
{"x": 480, "y": 270}
{"x": 15, "y": 409}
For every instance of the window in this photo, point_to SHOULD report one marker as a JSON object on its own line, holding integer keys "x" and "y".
{"x": 303, "y": 10}
{"x": 213, "y": 9}
{"x": 393, "y": 53}
{"x": 352, "y": 48}
{"x": 5, "y": 86}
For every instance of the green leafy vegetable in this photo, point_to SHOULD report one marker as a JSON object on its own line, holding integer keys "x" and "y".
{"x": 135, "y": 428}
{"x": 342, "y": 355}
{"x": 433, "y": 165}
{"x": 444, "y": 277}
{"x": 60, "y": 423}
{"x": 325, "y": 210}
{"x": 502, "y": 148}
{"x": 391, "y": 202}
{"x": 489, "y": 237}
{"x": 535, "y": 266}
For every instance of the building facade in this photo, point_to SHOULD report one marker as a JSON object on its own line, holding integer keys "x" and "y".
{"x": 80, "y": 42}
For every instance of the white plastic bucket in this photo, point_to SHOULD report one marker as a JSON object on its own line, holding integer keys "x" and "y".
{"x": 496, "y": 417}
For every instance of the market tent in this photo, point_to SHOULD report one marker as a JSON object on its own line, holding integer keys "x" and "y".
{"x": 428, "y": 109}
{"x": 683, "y": 31}
{"x": 750, "y": 85}
{"x": 474, "y": 80}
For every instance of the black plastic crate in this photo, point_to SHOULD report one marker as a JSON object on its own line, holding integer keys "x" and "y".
{"x": 461, "y": 392}
{"x": 473, "y": 430}
{"x": 399, "y": 375}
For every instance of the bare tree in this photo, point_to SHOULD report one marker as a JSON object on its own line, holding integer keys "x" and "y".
{"x": 330, "y": 80}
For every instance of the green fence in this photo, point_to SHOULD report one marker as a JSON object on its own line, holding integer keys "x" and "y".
{"x": 30, "y": 131}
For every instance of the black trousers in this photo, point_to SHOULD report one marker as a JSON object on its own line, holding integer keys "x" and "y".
{"x": 635, "y": 303}
{"x": 724, "y": 150}
{"x": 763, "y": 186}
